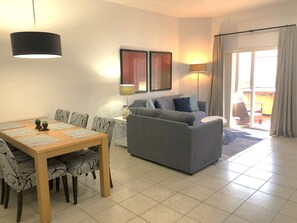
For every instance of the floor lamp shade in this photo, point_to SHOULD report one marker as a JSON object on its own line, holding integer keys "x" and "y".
{"x": 36, "y": 45}
{"x": 198, "y": 67}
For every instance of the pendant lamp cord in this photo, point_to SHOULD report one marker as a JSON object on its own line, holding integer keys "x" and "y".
{"x": 34, "y": 13}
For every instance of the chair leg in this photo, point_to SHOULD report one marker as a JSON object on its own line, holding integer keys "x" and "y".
{"x": 94, "y": 174}
{"x": 51, "y": 184}
{"x": 2, "y": 190}
{"x": 111, "y": 184}
{"x": 7, "y": 192}
{"x": 74, "y": 185}
{"x": 20, "y": 206}
{"x": 65, "y": 185}
{"x": 57, "y": 184}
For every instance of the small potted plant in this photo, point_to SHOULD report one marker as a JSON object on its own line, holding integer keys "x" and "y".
{"x": 38, "y": 124}
{"x": 45, "y": 125}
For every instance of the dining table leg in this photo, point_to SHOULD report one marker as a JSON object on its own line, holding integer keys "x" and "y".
{"x": 104, "y": 167}
{"x": 43, "y": 188}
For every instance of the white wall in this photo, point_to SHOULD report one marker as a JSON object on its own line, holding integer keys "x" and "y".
{"x": 87, "y": 77}
{"x": 194, "y": 44}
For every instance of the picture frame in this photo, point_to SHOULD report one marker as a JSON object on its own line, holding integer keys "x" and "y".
{"x": 134, "y": 69}
{"x": 160, "y": 71}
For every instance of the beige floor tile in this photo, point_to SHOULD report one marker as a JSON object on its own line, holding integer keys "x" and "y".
{"x": 260, "y": 174}
{"x": 186, "y": 219}
{"x": 157, "y": 175}
{"x": 114, "y": 214}
{"x": 224, "y": 201}
{"x": 205, "y": 213}
{"x": 123, "y": 176}
{"x": 213, "y": 182}
{"x": 267, "y": 201}
{"x": 95, "y": 205}
{"x": 237, "y": 190}
{"x": 255, "y": 213}
{"x": 271, "y": 167}
{"x": 284, "y": 180}
{"x": 158, "y": 192}
{"x": 140, "y": 169}
{"x": 236, "y": 219}
{"x": 177, "y": 182}
{"x": 277, "y": 190}
{"x": 29, "y": 215}
{"x": 89, "y": 220}
{"x": 70, "y": 215}
{"x": 138, "y": 220}
{"x": 287, "y": 171}
{"x": 139, "y": 184}
{"x": 248, "y": 181}
{"x": 138, "y": 204}
{"x": 280, "y": 218}
{"x": 198, "y": 192}
{"x": 235, "y": 167}
{"x": 181, "y": 203}
{"x": 290, "y": 209}
{"x": 294, "y": 197}
{"x": 161, "y": 213}
{"x": 121, "y": 194}
{"x": 225, "y": 174}
{"x": 245, "y": 161}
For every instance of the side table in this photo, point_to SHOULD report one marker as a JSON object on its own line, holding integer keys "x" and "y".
{"x": 120, "y": 131}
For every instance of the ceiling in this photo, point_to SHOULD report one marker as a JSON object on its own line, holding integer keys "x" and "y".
{"x": 197, "y": 8}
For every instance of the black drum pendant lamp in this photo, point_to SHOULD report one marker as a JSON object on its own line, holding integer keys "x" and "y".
{"x": 35, "y": 44}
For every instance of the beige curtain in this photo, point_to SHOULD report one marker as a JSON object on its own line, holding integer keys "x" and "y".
{"x": 216, "y": 94}
{"x": 284, "y": 111}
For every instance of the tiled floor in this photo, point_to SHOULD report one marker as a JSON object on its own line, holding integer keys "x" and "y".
{"x": 257, "y": 185}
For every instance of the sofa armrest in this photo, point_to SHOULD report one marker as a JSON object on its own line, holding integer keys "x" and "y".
{"x": 203, "y": 106}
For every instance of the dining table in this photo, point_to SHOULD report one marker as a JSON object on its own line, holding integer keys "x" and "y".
{"x": 60, "y": 138}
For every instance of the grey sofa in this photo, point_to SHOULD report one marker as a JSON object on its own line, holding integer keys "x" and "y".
{"x": 167, "y": 103}
{"x": 166, "y": 138}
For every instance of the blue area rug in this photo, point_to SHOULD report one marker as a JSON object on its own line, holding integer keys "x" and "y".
{"x": 236, "y": 141}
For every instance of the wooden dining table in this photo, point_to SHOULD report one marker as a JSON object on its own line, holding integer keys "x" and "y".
{"x": 42, "y": 145}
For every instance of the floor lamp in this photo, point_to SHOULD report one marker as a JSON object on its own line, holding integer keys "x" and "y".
{"x": 198, "y": 68}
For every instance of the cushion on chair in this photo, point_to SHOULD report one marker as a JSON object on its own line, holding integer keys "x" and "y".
{"x": 150, "y": 104}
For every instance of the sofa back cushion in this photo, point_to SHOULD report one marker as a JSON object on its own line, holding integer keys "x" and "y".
{"x": 177, "y": 116}
{"x": 182, "y": 104}
{"x": 166, "y": 102}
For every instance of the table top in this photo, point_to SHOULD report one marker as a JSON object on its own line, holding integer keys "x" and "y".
{"x": 23, "y": 135}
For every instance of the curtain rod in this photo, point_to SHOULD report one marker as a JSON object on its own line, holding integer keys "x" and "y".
{"x": 254, "y": 30}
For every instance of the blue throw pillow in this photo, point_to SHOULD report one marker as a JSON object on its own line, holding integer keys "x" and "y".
{"x": 194, "y": 103}
{"x": 182, "y": 104}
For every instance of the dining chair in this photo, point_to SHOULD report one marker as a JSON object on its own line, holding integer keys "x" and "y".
{"x": 2, "y": 186}
{"x": 79, "y": 163}
{"x": 21, "y": 176}
{"x": 77, "y": 119}
{"x": 62, "y": 115}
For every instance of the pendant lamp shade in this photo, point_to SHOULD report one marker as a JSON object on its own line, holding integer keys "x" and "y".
{"x": 36, "y": 45}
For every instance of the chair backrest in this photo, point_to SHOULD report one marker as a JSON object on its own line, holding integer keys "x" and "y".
{"x": 62, "y": 115}
{"x": 79, "y": 119}
{"x": 9, "y": 166}
{"x": 104, "y": 125}
{"x": 239, "y": 110}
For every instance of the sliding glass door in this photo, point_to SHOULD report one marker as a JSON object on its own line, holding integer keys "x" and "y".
{"x": 254, "y": 74}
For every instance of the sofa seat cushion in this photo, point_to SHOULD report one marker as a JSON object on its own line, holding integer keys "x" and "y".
{"x": 198, "y": 116}
{"x": 178, "y": 116}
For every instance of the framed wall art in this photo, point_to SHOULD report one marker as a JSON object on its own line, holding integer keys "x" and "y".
{"x": 160, "y": 71}
{"x": 134, "y": 69}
